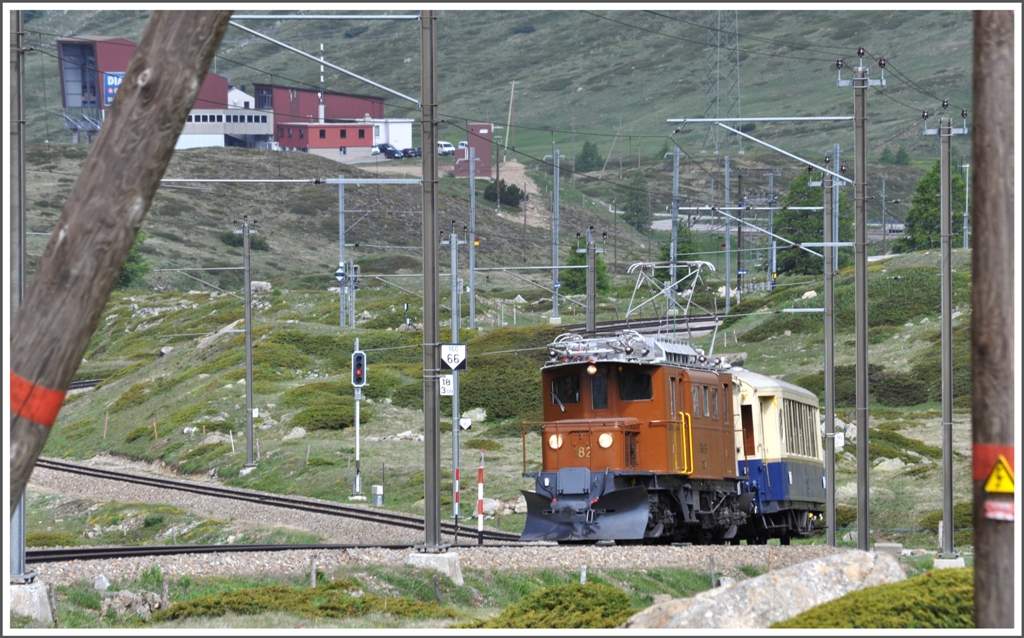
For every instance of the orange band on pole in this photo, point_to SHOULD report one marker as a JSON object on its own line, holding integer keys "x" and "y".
{"x": 34, "y": 402}
{"x": 984, "y": 458}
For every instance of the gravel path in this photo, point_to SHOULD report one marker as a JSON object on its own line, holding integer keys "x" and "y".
{"x": 727, "y": 559}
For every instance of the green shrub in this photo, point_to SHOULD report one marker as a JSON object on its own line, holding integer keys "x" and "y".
{"x": 381, "y": 382}
{"x": 319, "y": 393}
{"x": 846, "y": 516}
{"x": 122, "y": 372}
{"x": 963, "y": 523}
{"x": 318, "y": 461}
{"x": 898, "y": 388}
{"x": 776, "y": 325}
{"x": 136, "y": 433}
{"x": 78, "y": 429}
{"x": 153, "y": 520}
{"x": 486, "y": 445}
{"x": 51, "y": 539}
{"x": 274, "y": 355}
{"x": 256, "y": 241}
{"x": 327, "y": 600}
{"x": 511, "y": 194}
{"x": 133, "y": 397}
{"x": 573, "y": 606}
{"x": 330, "y": 417}
{"x": 938, "y": 599}
{"x": 409, "y": 395}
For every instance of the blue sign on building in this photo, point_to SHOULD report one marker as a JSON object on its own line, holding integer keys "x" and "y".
{"x": 110, "y": 83}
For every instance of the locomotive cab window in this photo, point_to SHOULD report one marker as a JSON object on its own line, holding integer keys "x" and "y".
{"x": 635, "y": 385}
{"x": 599, "y": 392}
{"x": 565, "y": 389}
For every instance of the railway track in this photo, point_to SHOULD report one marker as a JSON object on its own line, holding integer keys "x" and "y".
{"x": 366, "y": 514}
{"x": 65, "y": 554}
{"x": 82, "y": 385}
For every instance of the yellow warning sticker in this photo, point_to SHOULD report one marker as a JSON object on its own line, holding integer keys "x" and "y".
{"x": 1000, "y": 481}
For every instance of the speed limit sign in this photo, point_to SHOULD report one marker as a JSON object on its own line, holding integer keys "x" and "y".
{"x": 453, "y": 356}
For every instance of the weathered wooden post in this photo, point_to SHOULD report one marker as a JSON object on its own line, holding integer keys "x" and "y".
{"x": 80, "y": 265}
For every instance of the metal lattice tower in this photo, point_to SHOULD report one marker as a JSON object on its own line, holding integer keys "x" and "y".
{"x": 721, "y": 71}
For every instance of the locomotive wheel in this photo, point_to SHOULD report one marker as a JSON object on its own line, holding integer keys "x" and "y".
{"x": 785, "y": 539}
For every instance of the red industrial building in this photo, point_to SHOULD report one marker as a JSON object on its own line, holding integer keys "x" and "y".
{"x": 91, "y": 69}
{"x": 479, "y": 135}
{"x": 291, "y": 103}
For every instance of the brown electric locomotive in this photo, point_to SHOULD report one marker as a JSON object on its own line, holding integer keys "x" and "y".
{"x": 639, "y": 445}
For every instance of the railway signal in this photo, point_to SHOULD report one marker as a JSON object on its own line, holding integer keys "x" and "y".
{"x": 358, "y": 369}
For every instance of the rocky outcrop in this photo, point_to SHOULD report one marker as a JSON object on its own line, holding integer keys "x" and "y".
{"x": 775, "y": 596}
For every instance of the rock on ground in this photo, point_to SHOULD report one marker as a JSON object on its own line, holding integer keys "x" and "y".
{"x": 774, "y": 596}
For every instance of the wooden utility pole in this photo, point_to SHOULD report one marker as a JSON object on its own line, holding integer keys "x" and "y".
{"x": 107, "y": 205}
{"x": 992, "y": 321}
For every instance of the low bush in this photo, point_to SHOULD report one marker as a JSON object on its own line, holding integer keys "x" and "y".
{"x": 51, "y": 539}
{"x": 938, "y": 599}
{"x": 963, "y": 523}
{"x": 338, "y": 599}
{"x": 574, "y": 606}
{"x": 136, "y": 433}
{"x": 330, "y": 417}
{"x": 487, "y": 445}
{"x": 132, "y": 397}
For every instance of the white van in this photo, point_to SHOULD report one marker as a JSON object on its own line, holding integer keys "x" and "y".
{"x": 445, "y": 148}
{"x": 463, "y": 145}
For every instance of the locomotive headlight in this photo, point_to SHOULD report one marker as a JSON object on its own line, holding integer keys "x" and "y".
{"x": 605, "y": 440}
{"x": 555, "y": 441}
{"x": 592, "y": 369}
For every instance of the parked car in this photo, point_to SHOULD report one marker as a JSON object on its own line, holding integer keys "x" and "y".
{"x": 413, "y": 152}
{"x": 445, "y": 148}
{"x": 388, "y": 150}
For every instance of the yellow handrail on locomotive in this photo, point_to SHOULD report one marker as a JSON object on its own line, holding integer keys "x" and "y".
{"x": 686, "y": 441}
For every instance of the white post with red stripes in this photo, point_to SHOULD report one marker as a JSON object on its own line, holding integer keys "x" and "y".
{"x": 480, "y": 501}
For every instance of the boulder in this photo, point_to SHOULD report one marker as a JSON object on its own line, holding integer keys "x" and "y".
{"x": 259, "y": 286}
{"x": 810, "y": 294}
{"x": 296, "y": 433}
{"x": 734, "y": 358}
{"x": 446, "y": 563}
{"x": 125, "y": 602}
{"x": 31, "y": 600}
{"x": 775, "y": 596}
{"x": 476, "y": 415}
{"x": 491, "y": 506}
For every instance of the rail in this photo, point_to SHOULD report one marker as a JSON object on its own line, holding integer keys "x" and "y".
{"x": 273, "y": 500}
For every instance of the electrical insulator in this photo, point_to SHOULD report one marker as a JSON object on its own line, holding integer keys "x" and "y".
{"x": 963, "y": 114}
{"x": 860, "y": 52}
{"x": 842, "y": 168}
{"x": 881, "y": 63}
{"x": 810, "y": 169}
{"x": 924, "y": 115}
{"x": 827, "y": 159}
{"x": 945, "y": 104}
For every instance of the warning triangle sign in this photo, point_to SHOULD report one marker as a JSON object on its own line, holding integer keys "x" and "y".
{"x": 1000, "y": 481}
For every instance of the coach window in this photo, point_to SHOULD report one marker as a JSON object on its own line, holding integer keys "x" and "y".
{"x": 714, "y": 403}
{"x": 565, "y": 389}
{"x": 695, "y": 391}
{"x": 635, "y": 385}
{"x": 706, "y": 406}
{"x": 672, "y": 398}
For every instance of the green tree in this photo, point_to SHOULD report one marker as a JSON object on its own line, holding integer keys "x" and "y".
{"x": 923, "y": 225}
{"x": 807, "y": 226}
{"x": 902, "y": 157}
{"x": 136, "y": 266}
{"x": 588, "y": 159}
{"x": 511, "y": 194}
{"x": 636, "y": 212}
{"x": 887, "y": 156}
{"x": 574, "y": 280}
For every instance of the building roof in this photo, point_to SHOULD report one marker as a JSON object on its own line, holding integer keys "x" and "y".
{"x": 326, "y": 91}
